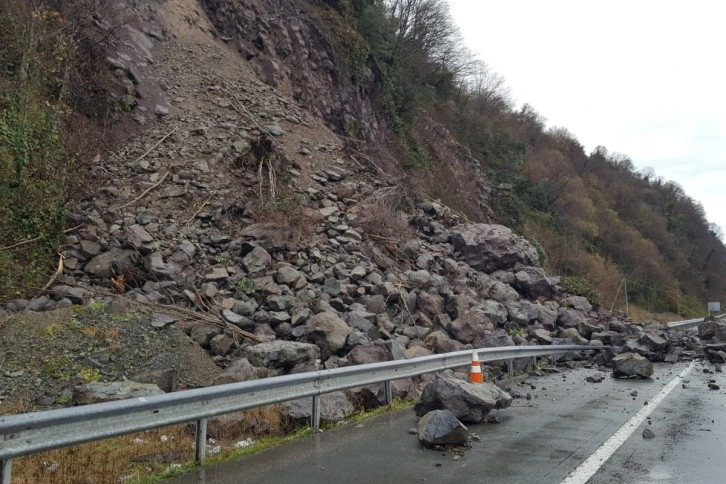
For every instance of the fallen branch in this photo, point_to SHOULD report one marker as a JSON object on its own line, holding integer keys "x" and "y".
{"x": 29, "y": 241}
{"x": 199, "y": 210}
{"x": 154, "y": 147}
{"x": 145, "y": 192}
{"x": 57, "y": 273}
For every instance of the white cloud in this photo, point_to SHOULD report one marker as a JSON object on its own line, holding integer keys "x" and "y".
{"x": 645, "y": 78}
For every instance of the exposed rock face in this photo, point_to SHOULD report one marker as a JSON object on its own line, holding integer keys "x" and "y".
{"x": 289, "y": 52}
{"x": 469, "y": 402}
{"x": 489, "y": 248}
{"x": 632, "y": 365}
{"x": 441, "y": 427}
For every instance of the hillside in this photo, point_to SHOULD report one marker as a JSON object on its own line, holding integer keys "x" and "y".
{"x": 331, "y": 177}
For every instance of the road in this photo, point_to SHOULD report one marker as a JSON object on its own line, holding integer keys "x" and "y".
{"x": 538, "y": 441}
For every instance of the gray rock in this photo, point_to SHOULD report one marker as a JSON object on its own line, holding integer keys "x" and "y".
{"x": 288, "y": 275}
{"x": 579, "y": 303}
{"x": 281, "y": 354}
{"x": 573, "y": 335}
{"x": 654, "y": 342}
{"x": 241, "y": 322}
{"x": 469, "y": 402}
{"x": 542, "y": 336}
{"x": 496, "y": 312}
{"x": 327, "y": 331}
{"x": 160, "y": 320}
{"x": 440, "y": 342}
{"x": 331, "y": 286}
{"x": 74, "y": 293}
{"x": 140, "y": 239}
{"x": 441, "y": 427}
{"x": 221, "y": 345}
{"x": 570, "y": 318}
{"x": 534, "y": 283}
{"x": 471, "y": 326}
{"x": 430, "y": 302}
{"x": 489, "y": 248}
{"x": 203, "y": 333}
{"x": 496, "y": 338}
{"x": 167, "y": 380}
{"x": 112, "y": 263}
{"x": 709, "y": 328}
{"x": 631, "y": 365}
{"x": 371, "y": 353}
{"x": 165, "y": 271}
{"x": 522, "y": 312}
{"x": 334, "y": 406}
{"x": 258, "y": 260}
{"x": 240, "y": 369}
{"x": 95, "y": 392}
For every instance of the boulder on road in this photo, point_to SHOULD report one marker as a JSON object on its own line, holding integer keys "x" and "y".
{"x": 469, "y": 402}
{"x": 632, "y": 365}
{"x": 441, "y": 427}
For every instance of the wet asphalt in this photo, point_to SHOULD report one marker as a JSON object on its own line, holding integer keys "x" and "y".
{"x": 538, "y": 441}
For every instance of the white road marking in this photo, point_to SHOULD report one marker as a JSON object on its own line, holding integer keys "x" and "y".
{"x": 582, "y": 473}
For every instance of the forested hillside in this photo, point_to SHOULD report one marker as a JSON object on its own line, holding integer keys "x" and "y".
{"x": 597, "y": 217}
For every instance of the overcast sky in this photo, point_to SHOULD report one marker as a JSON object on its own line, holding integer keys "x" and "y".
{"x": 640, "y": 77}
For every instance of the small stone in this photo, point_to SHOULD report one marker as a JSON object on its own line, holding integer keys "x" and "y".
{"x": 634, "y": 393}
{"x": 713, "y": 386}
{"x": 648, "y": 434}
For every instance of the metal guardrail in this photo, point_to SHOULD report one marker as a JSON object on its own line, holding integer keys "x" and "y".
{"x": 689, "y": 323}
{"x": 31, "y": 433}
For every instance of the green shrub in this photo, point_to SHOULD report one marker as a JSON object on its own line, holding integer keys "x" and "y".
{"x": 580, "y": 287}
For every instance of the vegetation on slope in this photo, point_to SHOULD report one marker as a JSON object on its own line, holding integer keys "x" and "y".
{"x": 596, "y": 218}
{"x": 48, "y": 82}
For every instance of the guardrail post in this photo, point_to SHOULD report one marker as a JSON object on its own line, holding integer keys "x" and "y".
{"x": 315, "y": 414}
{"x": 534, "y": 362}
{"x": 510, "y": 367}
{"x": 388, "y": 392}
{"x": 200, "y": 442}
{"x": 6, "y": 469}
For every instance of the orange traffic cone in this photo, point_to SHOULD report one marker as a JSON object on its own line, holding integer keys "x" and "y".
{"x": 475, "y": 376}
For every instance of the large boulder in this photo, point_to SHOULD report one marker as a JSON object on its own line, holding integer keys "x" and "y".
{"x": 440, "y": 342}
{"x": 489, "y": 247}
{"x": 471, "y": 326}
{"x": 280, "y": 354}
{"x": 370, "y": 353}
{"x": 441, "y": 427}
{"x": 327, "y": 331}
{"x": 522, "y": 312}
{"x": 534, "y": 283}
{"x": 712, "y": 328}
{"x": 469, "y": 402}
{"x": 632, "y": 365}
{"x": 112, "y": 263}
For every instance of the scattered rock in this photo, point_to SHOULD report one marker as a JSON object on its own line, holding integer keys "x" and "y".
{"x": 441, "y": 427}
